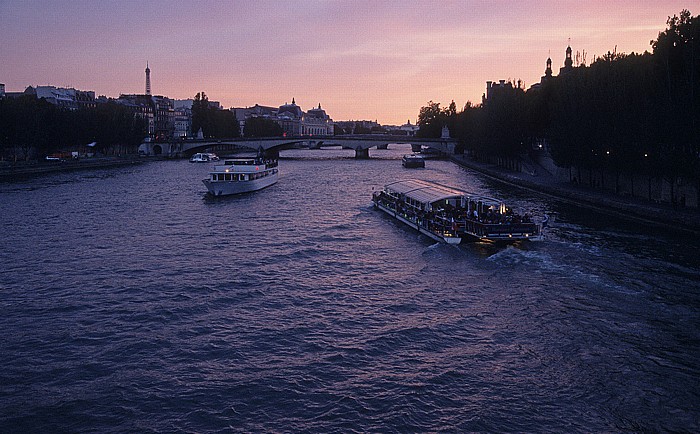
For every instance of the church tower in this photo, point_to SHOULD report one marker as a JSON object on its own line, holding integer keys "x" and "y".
{"x": 548, "y": 71}
{"x": 148, "y": 79}
{"x": 568, "y": 63}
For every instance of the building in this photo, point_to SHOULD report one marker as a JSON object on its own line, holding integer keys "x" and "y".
{"x": 68, "y": 98}
{"x": 546, "y": 77}
{"x": 357, "y": 127}
{"x": 182, "y": 122}
{"x": 568, "y": 62}
{"x": 409, "y": 128}
{"x": 289, "y": 117}
{"x": 257, "y": 111}
{"x": 142, "y": 106}
{"x": 293, "y": 120}
{"x": 183, "y": 103}
{"x": 317, "y": 123}
{"x": 164, "y": 118}
{"x": 2, "y": 90}
{"x": 493, "y": 89}
{"x": 160, "y": 113}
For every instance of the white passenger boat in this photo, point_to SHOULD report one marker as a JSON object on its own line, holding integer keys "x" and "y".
{"x": 199, "y": 157}
{"x": 447, "y": 214}
{"x": 410, "y": 161}
{"x": 241, "y": 175}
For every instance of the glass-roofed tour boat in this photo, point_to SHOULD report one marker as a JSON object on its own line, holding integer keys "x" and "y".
{"x": 241, "y": 175}
{"x": 450, "y": 215}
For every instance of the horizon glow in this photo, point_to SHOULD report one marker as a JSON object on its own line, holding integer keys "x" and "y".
{"x": 361, "y": 60}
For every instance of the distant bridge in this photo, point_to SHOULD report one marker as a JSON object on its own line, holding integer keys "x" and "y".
{"x": 271, "y": 146}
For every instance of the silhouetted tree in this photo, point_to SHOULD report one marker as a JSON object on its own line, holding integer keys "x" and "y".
{"x": 262, "y": 127}
{"x": 201, "y": 115}
{"x": 624, "y": 115}
{"x": 214, "y": 122}
{"x": 31, "y": 127}
{"x": 430, "y": 120}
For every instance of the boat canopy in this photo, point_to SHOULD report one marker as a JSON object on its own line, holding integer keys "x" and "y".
{"x": 430, "y": 192}
{"x": 240, "y": 161}
{"x": 423, "y": 191}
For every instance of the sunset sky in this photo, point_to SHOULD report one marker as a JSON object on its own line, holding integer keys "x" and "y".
{"x": 374, "y": 60}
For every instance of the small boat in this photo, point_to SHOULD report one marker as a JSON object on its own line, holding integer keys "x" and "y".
{"x": 410, "y": 161}
{"x": 200, "y": 157}
{"x": 241, "y": 175}
{"x": 450, "y": 215}
{"x": 212, "y": 156}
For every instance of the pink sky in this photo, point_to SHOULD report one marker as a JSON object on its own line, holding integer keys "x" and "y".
{"x": 375, "y": 60}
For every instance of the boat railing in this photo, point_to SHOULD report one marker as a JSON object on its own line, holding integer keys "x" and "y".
{"x": 452, "y": 224}
{"x": 510, "y": 228}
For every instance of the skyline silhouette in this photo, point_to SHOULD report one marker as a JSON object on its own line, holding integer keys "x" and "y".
{"x": 361, "y": 60}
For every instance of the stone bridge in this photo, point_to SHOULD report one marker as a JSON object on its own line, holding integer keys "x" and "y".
{"x": 271, "y": 146}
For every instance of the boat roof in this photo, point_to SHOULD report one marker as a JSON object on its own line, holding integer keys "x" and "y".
{"x": 243, "y": 161}
{"x": 429, "y": 192}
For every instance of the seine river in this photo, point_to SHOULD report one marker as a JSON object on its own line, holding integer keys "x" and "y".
{"x": 130, "y": 301}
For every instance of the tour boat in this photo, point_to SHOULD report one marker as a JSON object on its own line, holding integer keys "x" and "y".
{"x": 199, "y": 158}
{"x": 413, "y": 161}
{"x": 450, "y": 215}
{"x": 241, "y": 175}
{"x": 203, "y": 157}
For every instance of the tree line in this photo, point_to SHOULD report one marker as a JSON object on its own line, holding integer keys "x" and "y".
{"x": 31, "y": 127}
{"x": 212, "y": 121}
{"x": 636, "y": 114}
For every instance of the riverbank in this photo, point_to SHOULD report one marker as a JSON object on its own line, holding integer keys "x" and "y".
{"x": 681, "y": 220}
{"x": 12, "y": 171}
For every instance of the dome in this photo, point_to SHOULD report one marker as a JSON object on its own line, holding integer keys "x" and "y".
{"x": 289, "y": 110}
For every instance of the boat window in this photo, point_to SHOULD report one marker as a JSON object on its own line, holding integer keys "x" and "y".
{"x": 227, "y": 177}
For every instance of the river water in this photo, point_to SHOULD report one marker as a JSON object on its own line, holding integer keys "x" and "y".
{"x": 130, "y": 301}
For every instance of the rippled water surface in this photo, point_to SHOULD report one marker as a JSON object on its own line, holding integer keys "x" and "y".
{"x": 130, "y": 301}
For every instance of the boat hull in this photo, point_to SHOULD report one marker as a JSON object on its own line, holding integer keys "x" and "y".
{"x": 412, "y": 162}
{"x": 228, "y": 188}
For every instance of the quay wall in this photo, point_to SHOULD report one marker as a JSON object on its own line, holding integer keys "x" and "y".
{"x": 678, "y": 219}
{"x": 11, "y": 171}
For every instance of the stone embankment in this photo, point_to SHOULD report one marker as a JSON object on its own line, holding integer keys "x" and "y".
{"x": 12, "y": 171}
{"x": 680, "y": 220}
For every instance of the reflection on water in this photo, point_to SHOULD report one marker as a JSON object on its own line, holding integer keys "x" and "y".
{"x": 134, "y": 302}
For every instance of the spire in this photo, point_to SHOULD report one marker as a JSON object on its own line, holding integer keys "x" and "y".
{"x": 148, "y": 79}
{"x": 293, "y": 102}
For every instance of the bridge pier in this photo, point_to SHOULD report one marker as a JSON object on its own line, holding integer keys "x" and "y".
{"x": 271, "y": 154}
{"x": 362, "y": 153}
